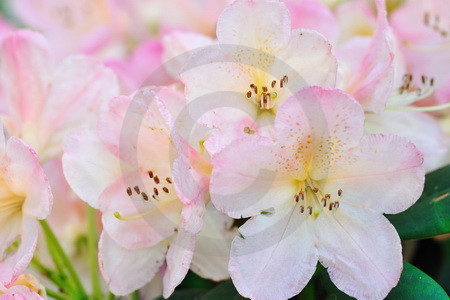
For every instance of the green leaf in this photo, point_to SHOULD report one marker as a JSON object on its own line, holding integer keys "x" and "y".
{"x": 416, "y": 285}
{"x": 190, "y": 294}
{"x": 413, "y": 285}
{"x": 430, "y": 216}
{"x": 224, "y": 291}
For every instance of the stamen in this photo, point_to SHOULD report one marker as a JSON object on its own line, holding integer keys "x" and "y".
{"x": 310, "y": 210}
{"x": 129, "y": 191}
{"x": 249, "y": 94}
{"x": 150, "y": 174}
{"x": 156, "y": 179}
{"x": 136, "y": 188}
{"x": 324, "y": 202}
{"x": 254, "y": 88}
{"x": 273, "y": 83}
{"x": 302, "y": 209}
{"x": 155, "y": 190}
{"x": 144, "y": 196}
{"x": 135, "y": 217}
{"x": 297, "y": 198}
{"x": 166, "y": 190}
{"x": 169, "y": 180}
{"x": 315, "y": 190}
{"x": 339, "y": 192}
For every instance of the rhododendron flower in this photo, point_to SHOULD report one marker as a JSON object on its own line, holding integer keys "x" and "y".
{"x": 26, "y": 287}
{"x": 152, "y": 214}
{"x": 44, "y": 102}
{"x": 423, "y": 31}
{"x": 316, "y": 192}
{"x": 25, "y": 199}
{"x": 259, "y": 62}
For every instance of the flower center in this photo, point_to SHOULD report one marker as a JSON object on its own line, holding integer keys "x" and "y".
{"x": 162, "y": 195}
{"x": 265, "y": 95}
{"x": 313, "y": 201}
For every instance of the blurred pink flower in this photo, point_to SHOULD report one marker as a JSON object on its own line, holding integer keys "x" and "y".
{"x": 316, "y": 192}
{"x": 26, "y": 198}
{"x": 152, "y": 212}
{"x": 44, "y": 102}
{"x": 26, "y": 287}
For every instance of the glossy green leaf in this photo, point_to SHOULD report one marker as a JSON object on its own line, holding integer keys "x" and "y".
{"x": 416, "y": 285}
{"x": 430, "y": 216}
{"x": 413, "y": 285}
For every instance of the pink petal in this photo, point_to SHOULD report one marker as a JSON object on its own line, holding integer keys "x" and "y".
{"x": 26, "y": 72}
{"x": 421, "y": 129}
{"x": 312, "y": 14}
{"x": 361, "y": 251}
{"x": 384, "y": 173}
{"x": 373, "y": 80}
{"x": 274, "y": 255}
{"x": 316, "y": 127}
{"x": 89, "y": 166}
{"x": 178, "y": 260}
{"x": 212, "y": 250}
{"x": 147, "y": 230}
{"x": 241, "y": 24}
{"x": 238, "y": 188}
{"x": 25, "y": 177}
{"x": 128, "y": 270}
{"x": 16, "y": 263}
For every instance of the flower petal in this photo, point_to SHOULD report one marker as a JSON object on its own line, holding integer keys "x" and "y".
{"x": 128, "y": 270}
{"x": 383, "y": 173}
{"x": 315, "y": 127}
{"x": 89, "y": 166}
{"x": 274, "y": 256}
{"x": 237, "y": 188}
{"x": 361, "y": 251}
{"x": 26, "y": 177}
{"x": 212, "y": 250}
{"x": 26, "y": 71}
{"x": 178, "y": 261}
{"x": 262, "y": 24}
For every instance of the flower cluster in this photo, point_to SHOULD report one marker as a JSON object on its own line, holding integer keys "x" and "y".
{"x": 246, "y": 139}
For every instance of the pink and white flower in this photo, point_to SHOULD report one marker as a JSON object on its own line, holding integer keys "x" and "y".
{"x": 25, "y": 199}
{"x": 45, "y": 100}
{"x": 316, "y": 192}
{"x": 26, "y": 287}
{"x": 153, "y": 213}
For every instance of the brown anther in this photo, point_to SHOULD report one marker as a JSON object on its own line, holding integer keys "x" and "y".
{"x": 136, "y": 188}
{"x": 426, "y": 18}
{"x": 297, "y": 198}
{"x": 273, "y": 83}
{"x": 432, "y": 81}
{"x": 129, "y": 191}
{"x": 249, "y": 94}
{"x": 281, "y": 83}
{"x": 324, "y": 202}
{"x": 328, "y": 196}
{"x": 155, "y": 190}
{"x": 309, "y": 210}
{"x": 444, "y": 33}
{"x": 424, "y": 79}
{"x": 302, "y": 196}
{"x": 166, "y": 190}
{"x": 264, "y": 88}
{"x": 144, "y": 196}
{"x": 175, "y": 230}
{"x": 254, "y": 88}
{"x": 315, "y": 190}
{"x": 150, "y": 174}
{"x": 336, "y": 204}
{"x": 285, "y": 78}
{"x": 156, "y": 179}
{"x": 169, "y": 180}
{"x": 302, "y": 209}
{"x": 339, "y": 192}
{"x": 330, "y": 207}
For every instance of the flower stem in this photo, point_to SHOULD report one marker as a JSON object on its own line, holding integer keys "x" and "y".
{"x": 134, "y": 295}
{"x": 56, "y": 295}
{"x": 52, "y": 242}
{"x": 93, "y": 256}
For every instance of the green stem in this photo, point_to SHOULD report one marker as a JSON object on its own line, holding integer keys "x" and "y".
{"x": 56, "y": 295}
{"x": 50, "y": 274}
{"x": 93, "y": 255}
{"x": 53, "y": 242}
{"x": 134, "y": 295}
{"x": 111, "y": 296}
